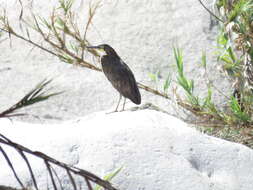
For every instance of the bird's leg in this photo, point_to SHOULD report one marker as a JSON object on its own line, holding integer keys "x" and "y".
{"x": 116, "y": 110}
{"x": 124, "y": 104}
{"x": 118, "y": 103}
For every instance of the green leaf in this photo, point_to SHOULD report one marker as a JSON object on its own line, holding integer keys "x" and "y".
{"x": 241, "y": 7}
{"x": 231, "y": 54}
{"x": 237, "y": 111}
{"x": 109, "y": 177}
{"x": 73, "y": 47}
{"x": 208, "y": 99}
{"x": 179, "y": 60}
{"x": 203, "y": 60}
{"x": 152, "y": 77}
{"x": 222, "y": 38}
{"x": 66, "y": 58}
{"x": 226, "y": 59}
{"x": 167, "y": 83}
{"x": 45, "y": 22}
{"x": 60, "y": 23}
{"x": 191, "y": 85}
{"x": 193, "y": 100}
{"x": 65, "y": 5}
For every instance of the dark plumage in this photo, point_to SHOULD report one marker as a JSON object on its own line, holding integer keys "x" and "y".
{"x": 119, "y": 74}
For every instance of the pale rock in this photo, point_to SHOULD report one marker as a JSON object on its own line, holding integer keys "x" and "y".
{"x": 156, "y": 151}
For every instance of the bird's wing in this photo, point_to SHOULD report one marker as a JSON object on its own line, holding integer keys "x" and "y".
{"x": 121, "y": 77}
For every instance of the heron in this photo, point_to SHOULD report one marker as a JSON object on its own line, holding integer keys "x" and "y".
{"x": 119, "y": 74}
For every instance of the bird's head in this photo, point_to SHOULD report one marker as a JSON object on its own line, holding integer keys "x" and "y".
{"x": 104, "y": 49}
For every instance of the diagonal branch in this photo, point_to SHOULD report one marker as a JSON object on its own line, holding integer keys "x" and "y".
{"x": 84, "y": 63}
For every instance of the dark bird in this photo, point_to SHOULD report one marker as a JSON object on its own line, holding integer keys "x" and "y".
{"x": 119, "y": 74}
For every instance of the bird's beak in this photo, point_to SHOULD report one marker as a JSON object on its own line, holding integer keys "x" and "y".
{"x": 96, "y": 47}
{"x": 93, "y": 47}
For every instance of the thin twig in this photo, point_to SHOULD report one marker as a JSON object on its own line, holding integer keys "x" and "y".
{"x": 210, "y": 12}
{"x": 71, "y": 179}
{"x": 29, "y": 168}
{"x": 56, "y": 175}
{"x": 88, "y": 183}
{"x": 12, "y": 168}
{"x": 58, "y": 37}
{"x": 153, "y": 91}
{"x": 91, "y": 15}
{"x": 29, "y": 41}
{"x": 51, "y": 174}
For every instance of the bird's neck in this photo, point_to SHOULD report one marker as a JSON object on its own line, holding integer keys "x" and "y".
{"x": 113, "y": 53}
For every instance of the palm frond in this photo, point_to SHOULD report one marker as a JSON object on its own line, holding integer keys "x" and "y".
{"x": 89, "y": 178}
{"x": 36, "y": 95}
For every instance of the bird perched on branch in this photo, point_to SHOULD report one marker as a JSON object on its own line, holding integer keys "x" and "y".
{"x": 119, "y": 74}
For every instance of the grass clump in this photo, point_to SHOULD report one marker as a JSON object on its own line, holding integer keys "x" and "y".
{"x": 234, "y": 120}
